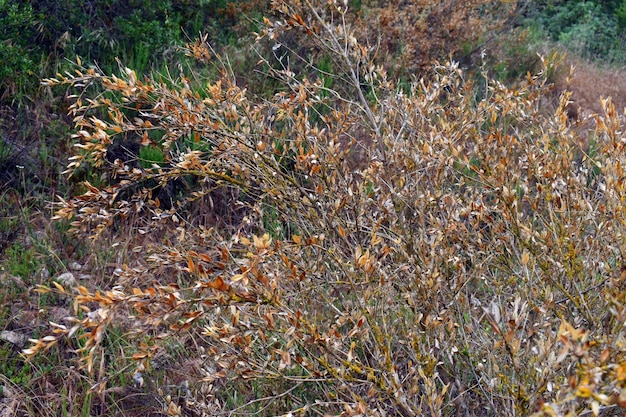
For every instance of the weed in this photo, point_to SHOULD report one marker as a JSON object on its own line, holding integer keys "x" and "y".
{"x": 21, "y": 261}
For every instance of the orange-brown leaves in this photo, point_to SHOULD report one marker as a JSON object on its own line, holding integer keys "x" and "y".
{"x": 200, "y": 49}
{"x": 394, "y": 250}
{"x": 422, "y": 30}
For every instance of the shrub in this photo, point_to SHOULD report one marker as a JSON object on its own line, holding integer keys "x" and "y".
{"x": 440, "y": 253}
{"x": 588, "y": 28}
{"x": 19, "y": 58}
{"x": 410, "y": 35}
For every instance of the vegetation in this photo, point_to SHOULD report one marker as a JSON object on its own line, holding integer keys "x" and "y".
{"x": 593, "y": 29}
{"x": 305, "y": 227}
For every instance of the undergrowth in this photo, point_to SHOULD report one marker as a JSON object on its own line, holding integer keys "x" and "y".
{"x": 444, "y": 248}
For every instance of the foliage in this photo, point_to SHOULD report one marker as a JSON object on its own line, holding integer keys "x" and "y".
{"x": 415, "y": 33}
{"x": 37, "y": 35}
{"x": 592, "y": 29}
{"x": 620, "y": 14}
{"x": 446, "y": 248}
{"x": 95, "y": 30}
{"x": 19, "y": 60}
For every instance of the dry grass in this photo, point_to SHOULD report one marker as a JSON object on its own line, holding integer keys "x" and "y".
{"x": 589, "y": 82}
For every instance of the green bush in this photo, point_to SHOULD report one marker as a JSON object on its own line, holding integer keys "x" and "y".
{"x": 590, "y": 29}
{"x": 38, "y": 35}
{"x": 591, "y": 33}
{"x": 620, "y": 14}
{"x": 19, "y": 54}
{"x": 100, "y": 31}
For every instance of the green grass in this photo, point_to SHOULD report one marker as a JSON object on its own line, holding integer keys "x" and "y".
{"x": 149, "y": 156}
{"x": 21, "y": 261}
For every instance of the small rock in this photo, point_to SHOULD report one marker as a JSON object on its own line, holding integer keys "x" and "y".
{"x": 44, "y": 273}
{"x": 58, "y": 314}
{"x": 23, "y": 315}
{"x": 75, "y": 266}
{"x": 9, "y": 403}
{"x": 138, "y": 379}
{"x": 67, "y": 280}
{"x": 18, "y": 339}
{"x": 6, "y": 392}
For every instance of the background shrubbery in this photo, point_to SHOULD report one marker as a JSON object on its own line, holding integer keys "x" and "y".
{"x": 310, "y": 226}
{"x": 39, "y": 38}
{"x": 592, "y": 29}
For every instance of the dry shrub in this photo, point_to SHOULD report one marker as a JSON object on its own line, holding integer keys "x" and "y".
{"x": 417, "y": 32}
{"x": 470, "y": 263}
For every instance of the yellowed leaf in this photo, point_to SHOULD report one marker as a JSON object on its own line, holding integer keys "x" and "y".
{"x": 525, "y": 258}
{"x": 237, "y": 278}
